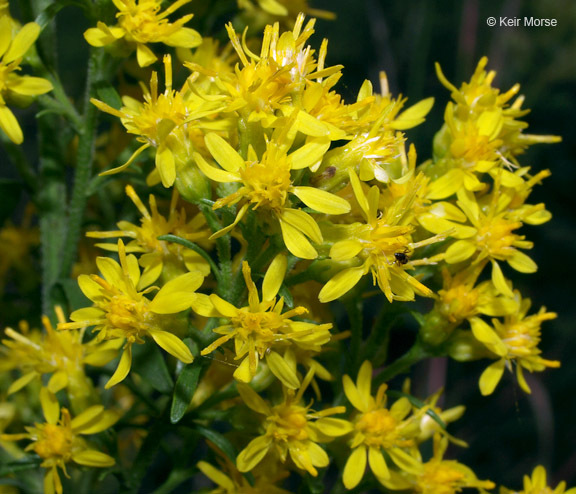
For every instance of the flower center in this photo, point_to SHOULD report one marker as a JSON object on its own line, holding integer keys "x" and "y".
{"x": 127, "y": 318}
{"x": 458, "y": 303}
{"x": 379, "y": 428}
{"x": 267, "y": 184}
{"x": 262, "y": 326}
{"x": 440, "y": 478}
{"x": 288, "y": 423}
{"x": 55, "y": 441}
{"x": 495, "y": 236}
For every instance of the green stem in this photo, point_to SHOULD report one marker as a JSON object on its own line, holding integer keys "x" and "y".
{"x": 83, "y": 173}
{"x": 401, "y": 366}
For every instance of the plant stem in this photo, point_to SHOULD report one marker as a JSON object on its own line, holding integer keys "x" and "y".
{"x": 83, "y": 166}
{"x": 400, "y": 366}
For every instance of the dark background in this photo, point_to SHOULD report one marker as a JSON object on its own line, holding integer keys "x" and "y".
{"x": 509, "y": 433}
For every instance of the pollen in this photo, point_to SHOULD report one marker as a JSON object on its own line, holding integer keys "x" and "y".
{"x": 267, "y": 186}
{"x": 496, "y": 238}
{"x": 379, "y": 428}
{"x": 55, "y": 441}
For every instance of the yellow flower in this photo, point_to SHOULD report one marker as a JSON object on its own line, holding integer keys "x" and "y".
{"x": 492, "y": 236}
{"x": 61, "y": 354}
{"x": 378, "y": 429}
{"x": 266, "y": 185}
{"x": 460, "y": 299}
{"x": 261, "y": 328}
{"x": 161, "y": 122}
{"x": 291, "y": 429}
{"x": 158, "y": 253}
{"x": 121, "y": 310}
{"x": 515, "y": 341}
{"x": 13, "y": 47}
{"x": 439, "y": 476}
{"x": 382, "y": 245}
{"x": 140, "y": 22}
{"x": 537, "y": 485}
{"x": 233, "y": 482}
{"x": 58, "y": 442}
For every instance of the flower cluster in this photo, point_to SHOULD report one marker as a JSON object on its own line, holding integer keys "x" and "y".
{"x": 280, "y": 219}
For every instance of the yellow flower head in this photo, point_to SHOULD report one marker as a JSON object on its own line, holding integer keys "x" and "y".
{"x": 382, "y": 245}
{"x": 158, "y": 253}
{"x": 261, "y": 328}
{"x": 440, "y": 476}
{"x": 161, "y": 122}
{"x": 537, "y": 484}
{"x": 378, "y": 429}
{"x": 266, "y": 185}
{"x": 13, "y": 47}
{"x": 291, "y": 429}
{"x": 140, "y": 22}
{"x": 121, "y": 309}
{"x": 58, "y": 441}
{"x": 514, "y": 340}
{"x": 61, "y": 354}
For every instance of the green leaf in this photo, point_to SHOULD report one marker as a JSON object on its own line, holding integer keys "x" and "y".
{"x": 219, "y": 440}
{"x": 50, "y": 12}
{"x": 18, "y": 466}
{"x": 108, "y": 94}
{"x": 149, "y": 362}
{"x": 185, "y": 388}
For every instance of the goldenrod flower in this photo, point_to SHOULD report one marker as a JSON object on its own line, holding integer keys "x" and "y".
{"x": 58, "y": 442}
{"x": 158, "y": 253}
{"x": 515, "y": 341}
{"x": 260, "y": 329}
{"x": 61, "y": 354}
{"x": 140, "y": 22}
{"x": 439, "y": 476}
{"x": 537, "y": 484}
{"x": 121, "y": 310}
{"x": 13, "y": 47}
{"x": 161, "y": 122}
{"x": 266, "y": 185}
{"x": 291, "y": 429}
{"x": 382, "y": 245}
{"x": 231, "y": 481}
{"x": 378, "y": 429}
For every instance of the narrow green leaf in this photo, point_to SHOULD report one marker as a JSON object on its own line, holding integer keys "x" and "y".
{"x": 184, "y": 390}
{"x": 18, "y": 466}
{"x": 418, "y": 404}
{"x": 149, "y": 362}
{"x": 108, "y": 94}
{"x": 219, "y": 440}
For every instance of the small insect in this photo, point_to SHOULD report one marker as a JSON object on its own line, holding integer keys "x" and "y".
{"x": 401, "y": 257}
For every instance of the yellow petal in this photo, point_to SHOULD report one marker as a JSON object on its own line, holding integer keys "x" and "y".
{"x": 378, "y": 464}
{"x": 447, "y": 185}
{"x": 243, "y": 373}
{"x": 226, "y": 309}
{"x": 332, "y": 427}
{"x": 491, "y": 377}
{"x": 58, "y": 381}
{"x": 358, "y": 192}
{"x": 485, "y": 334}
{"x": 166, "y": 165}
{"x": 22, "y": 42}
{"x": 253, "y": 454}
{"x": 87, "y": 418}
{"x": 282, "y": 370}
{"x": 5, "y": 33}
{"x": 50, "y": 406}
{"x": 177, "y": 294}
{"x": 413, "y": 116}
{"x": 364, "y": 382}
{"x": 213, "y": 173}
{"x": 30, "y": 86}
{"x": 353, "y": 395}
{"x": 92, "y": 458}
{"x": 310, "y": 154}
{"x": 340, "y": 284}
{"x": 274, "y": 277}
{"x": 318, "y": 455}
{"x": 10, "y": 126}
{"x": 202, "y": 305}
{"x": 173, "y": 345}
{"x": 522, "y": 380}
{"x": 185, "y": 37}
{"x": 355, "y": 467}
{"x": 500, "y": 281}
{"x": 405, "y": 461}
{"x": 345, "y": 249}
{"x": 304, "y": 223}
{"x": 144, "y": 55}
{"x": 296, "y": 242}
{"x": 460, "y": 251}
{"x": 22, "y": 382}
{"x": 253, "y": 399}
{"x": 123, "y": 368}
{"x": 321, "y": 201}
{"x": 216, "y": 476}
{"x": 522, "y": 263}
{"x": 223, "y": 153}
